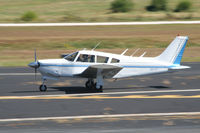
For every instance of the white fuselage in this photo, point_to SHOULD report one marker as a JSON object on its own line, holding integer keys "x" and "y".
{"x": 131, "y": 66}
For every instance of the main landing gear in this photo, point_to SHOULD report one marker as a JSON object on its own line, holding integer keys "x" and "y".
{"x": 43, "y": 87}
{"x": 94, "y": 86}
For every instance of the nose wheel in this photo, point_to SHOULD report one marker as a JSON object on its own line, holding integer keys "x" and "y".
{"x": 43, "y": 87}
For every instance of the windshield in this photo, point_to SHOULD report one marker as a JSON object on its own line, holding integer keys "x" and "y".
{"x": 71, "y": 57}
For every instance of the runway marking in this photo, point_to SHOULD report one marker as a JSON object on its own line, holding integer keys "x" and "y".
{"x": 17, "y": 74}
{"x": 101, "y": 116}
{"x": 107, "y": 93}
{"x": 98, "y": 23}
{"x": 140, "y": 92}
{"x": 72, "y": 96}
{"x": 101, "y": 97}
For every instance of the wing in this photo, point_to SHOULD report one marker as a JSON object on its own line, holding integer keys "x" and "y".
{"x": 107, "y": 71}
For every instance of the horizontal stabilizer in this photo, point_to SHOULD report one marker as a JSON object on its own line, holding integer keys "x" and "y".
{"x": 180, "y": 67}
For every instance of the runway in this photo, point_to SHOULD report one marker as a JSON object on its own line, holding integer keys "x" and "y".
{"x": 166, "y": 102}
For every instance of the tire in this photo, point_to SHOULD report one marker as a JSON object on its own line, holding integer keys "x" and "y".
{"x": 43, "y": 88}
{"x": 98, "y": 89}
{"x": 89, "y": 85}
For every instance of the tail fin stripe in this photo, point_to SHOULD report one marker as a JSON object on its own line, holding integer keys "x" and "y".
{"x": 174, "y": 52}
{"x": 179, "y": 56}
{"x": 177, "y": 50}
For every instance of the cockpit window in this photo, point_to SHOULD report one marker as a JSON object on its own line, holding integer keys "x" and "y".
{"x": 102, "y": 59}
{"x": 114, "y": 60}
{"x": 71, "y": 57}
{"x": 86, "y": 58}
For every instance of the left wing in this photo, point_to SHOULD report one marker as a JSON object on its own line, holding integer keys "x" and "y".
{"x": 107, "y": 71}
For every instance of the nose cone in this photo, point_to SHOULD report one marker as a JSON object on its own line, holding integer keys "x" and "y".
{"x": 34, "y": 64}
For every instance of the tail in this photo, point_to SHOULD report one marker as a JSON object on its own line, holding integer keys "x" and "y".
{"x": 174, "y": 52}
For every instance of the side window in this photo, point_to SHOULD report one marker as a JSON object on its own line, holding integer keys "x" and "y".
{"x": 71, "y": 57}
{"x": 114, "y": 60}
{"x": 102, "y": 59}
{"x": 86, "y": 58}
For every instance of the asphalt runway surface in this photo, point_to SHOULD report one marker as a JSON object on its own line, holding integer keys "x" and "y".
{"x": 167, "y": 103}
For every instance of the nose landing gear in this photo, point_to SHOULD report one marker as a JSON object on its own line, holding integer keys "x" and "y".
{"x": 43, "y": 87}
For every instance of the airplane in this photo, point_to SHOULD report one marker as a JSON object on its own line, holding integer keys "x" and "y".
{"x": 97, "y": 66}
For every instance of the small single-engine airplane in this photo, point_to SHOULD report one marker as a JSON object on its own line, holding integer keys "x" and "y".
{"x": 93, "y": 65}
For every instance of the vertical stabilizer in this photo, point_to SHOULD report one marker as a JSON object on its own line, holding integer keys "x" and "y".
{"x": 174, "y": 52}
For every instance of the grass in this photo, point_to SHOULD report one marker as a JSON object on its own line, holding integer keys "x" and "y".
{"x": 18, "y": 43}
{"x": 23, "y": 57}
{"x": 51, "y": 38}
{"x": 89, "y": 11}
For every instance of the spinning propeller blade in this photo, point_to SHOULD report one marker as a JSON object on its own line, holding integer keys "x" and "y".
{"x": 35, "y": 55}
{"x": 35, "y": 72}
{"x": 37, "y": 63}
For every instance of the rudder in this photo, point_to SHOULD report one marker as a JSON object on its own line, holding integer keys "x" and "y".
{"x": 174, "y": 52}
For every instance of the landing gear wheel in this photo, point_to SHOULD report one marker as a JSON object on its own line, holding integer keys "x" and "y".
{"x": 43, "y": 88}
{"x": 100, "y": 89}
{"x": 89, "y": 84}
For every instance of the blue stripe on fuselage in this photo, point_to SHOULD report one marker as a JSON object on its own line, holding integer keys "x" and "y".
{"x": 146, "y": 66}
{"x": 65, "y": 65}
{"x": 119, "y": 66}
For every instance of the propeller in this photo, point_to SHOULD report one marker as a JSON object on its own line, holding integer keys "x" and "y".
{"x": 35, "y": 61}
{"x": 35, "y": 64}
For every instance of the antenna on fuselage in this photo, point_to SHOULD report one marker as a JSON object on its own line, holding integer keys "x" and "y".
{"x": 96, "y": 46}
{"x": 135, "y": 51}
{"x": 124, "y": 51}
{"x": 143, "y": 54}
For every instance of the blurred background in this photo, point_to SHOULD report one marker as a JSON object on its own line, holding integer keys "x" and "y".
{"x": 18, "y": 43}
